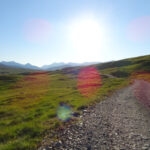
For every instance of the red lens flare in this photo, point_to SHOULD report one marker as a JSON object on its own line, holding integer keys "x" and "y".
{"x": 139, "y": 29}
{"x": 142, "y": 92}
{"x": 89, "y": 81}
{"x": 37, "y": 30}
{"x": 141, "y": 87}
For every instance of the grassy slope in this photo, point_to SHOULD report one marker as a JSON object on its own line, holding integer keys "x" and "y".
{"x": 28, "y": 102}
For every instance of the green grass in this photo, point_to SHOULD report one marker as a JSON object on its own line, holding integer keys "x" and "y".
{"x": 29, "y": 102}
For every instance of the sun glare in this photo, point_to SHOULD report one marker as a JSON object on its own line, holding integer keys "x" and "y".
{"x": 86, "y": 36}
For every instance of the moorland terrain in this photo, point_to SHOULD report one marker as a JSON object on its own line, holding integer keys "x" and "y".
{"x": 29, "y": 99}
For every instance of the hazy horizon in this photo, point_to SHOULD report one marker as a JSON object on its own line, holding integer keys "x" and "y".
{"x": 44, "y": 32}
{"x": 68, "y": 62}
{"x": 49, "y": 63}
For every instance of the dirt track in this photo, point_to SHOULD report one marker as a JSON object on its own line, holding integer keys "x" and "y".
{"x": 121, "y": 122}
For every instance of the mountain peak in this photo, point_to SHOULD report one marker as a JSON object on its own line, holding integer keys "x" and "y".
{"x": 53, "y": 66}
{"x": 18, "y": 65}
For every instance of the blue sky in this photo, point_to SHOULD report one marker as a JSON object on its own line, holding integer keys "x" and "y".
{"x": 46, "y": 31}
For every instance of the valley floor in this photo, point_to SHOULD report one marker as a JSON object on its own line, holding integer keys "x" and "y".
{"x": 121, "y": 122}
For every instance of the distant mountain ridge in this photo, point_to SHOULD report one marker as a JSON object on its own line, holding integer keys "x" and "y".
{"x": 61, "y": 65}
{"x": 53, "y": 66}
{"x": 18, "y": 65}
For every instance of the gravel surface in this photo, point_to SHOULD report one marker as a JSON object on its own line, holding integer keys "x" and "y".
{"x": 120, "y": 122}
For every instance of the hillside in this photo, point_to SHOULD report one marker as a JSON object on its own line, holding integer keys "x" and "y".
{"x": 32, "y": 103}
{"x": 127, "y": 66}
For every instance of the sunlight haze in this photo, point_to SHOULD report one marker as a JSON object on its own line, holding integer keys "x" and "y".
{"x": 45, "y": 31}
{"x": 86, "y": 36}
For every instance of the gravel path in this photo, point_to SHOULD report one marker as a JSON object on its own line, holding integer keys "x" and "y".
{"x": 120, "y": 122}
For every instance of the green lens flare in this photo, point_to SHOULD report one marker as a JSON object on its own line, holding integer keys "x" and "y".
{"x": 64, "y": 112}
